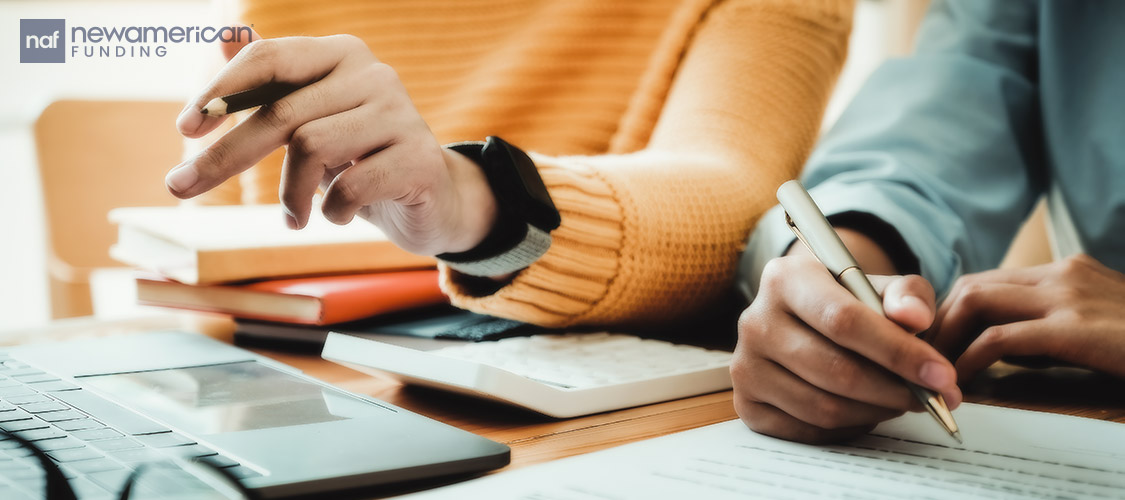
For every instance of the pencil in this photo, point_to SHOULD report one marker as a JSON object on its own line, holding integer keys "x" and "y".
{"x": 247, "y": 99}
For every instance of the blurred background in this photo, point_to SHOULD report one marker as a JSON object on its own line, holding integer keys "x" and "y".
{"x": 883, "y": 28}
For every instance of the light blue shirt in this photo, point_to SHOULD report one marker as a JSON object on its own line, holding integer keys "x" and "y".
{"x": 953, "y": 145}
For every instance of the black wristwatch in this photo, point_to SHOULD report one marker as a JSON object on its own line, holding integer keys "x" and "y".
{"x": 526, "y": 215}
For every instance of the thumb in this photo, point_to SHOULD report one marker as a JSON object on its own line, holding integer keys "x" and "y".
{"x": 231, "y": 48}
{"x": 907, "y": 300}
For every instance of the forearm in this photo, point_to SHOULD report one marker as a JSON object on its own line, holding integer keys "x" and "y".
{"x": 655, "y": 235}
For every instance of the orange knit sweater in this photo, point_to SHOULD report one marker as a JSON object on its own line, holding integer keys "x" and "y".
{"x": 661, "y": 127}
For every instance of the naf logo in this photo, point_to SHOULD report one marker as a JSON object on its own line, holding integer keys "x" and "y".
{"x": 42, "y": 40}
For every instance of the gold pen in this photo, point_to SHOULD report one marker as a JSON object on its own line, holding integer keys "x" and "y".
{"x": 812, "y": 228}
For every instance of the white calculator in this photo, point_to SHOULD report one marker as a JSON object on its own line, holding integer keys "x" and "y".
{"x": 560, "y": 375}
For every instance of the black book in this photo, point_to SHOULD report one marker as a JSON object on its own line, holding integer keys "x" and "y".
{"x": 425, "y": 328}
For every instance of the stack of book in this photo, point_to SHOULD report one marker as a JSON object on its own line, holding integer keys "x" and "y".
{"x": 243, "y": 261}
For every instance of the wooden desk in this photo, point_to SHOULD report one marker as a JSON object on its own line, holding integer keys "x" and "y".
{"x": 535, "y": 438}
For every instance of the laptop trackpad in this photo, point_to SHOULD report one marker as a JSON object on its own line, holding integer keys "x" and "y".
{"x": 233, "y": 397}
{"x": 129, "y": 353}
{"x": 302, "y": 435}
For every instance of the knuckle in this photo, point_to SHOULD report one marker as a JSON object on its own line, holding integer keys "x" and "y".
{"x": 1077, "y": 264}
{"x": 213, "y": 159}
{"x": 842, "y": 370}
{"x": 1070, "y": 315}
{"x": 842, "y": 319}
{"x": 346, "y": 192}
{"x": 386, "y": 94}
{"x": 1069, "y": 264}
{"x": 772, "y": 273}
{"x": 278, "y": 115}
{"x": 261, "y": 50}
{"x": 306, "y": 143}
{"x": 415, "y": 193}
{"x": 960, "y": 284}
{"x": 1084, "y": 260}
{"x": 352, "y": 42}
{"x": 754, "y": 338}
{"x": 382, "y": 73}
{"x": 994, "y": 337}
{"x": 746, "y": 375}
{"x": 742, "y": 373}
{"x": 1069, "y": 296}
{"x": 747, "y": 322}
{"x": 1083, "y": 313}
{"x": 829, "y": 412}
{"x": 971, "y": 294}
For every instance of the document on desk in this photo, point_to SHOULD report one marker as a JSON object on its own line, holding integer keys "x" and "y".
{"x": 1007, "y": 454}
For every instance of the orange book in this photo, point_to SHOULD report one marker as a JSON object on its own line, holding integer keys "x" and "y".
{"x": 320, "y": 300}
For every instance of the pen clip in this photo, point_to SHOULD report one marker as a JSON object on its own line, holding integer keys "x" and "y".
{"x": 800, "y": 236}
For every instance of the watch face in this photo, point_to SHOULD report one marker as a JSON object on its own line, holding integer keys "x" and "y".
{"x": 517, "y": 186}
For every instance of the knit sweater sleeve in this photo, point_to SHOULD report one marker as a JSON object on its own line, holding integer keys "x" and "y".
{"x": 654, "y": 235}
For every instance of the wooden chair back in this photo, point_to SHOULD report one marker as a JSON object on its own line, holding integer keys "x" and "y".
{"x": 95, "y": 156}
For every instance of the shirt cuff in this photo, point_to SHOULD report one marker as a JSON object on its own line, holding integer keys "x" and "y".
{"x": 771, "y": 238}
{"x": 913, "y": 247}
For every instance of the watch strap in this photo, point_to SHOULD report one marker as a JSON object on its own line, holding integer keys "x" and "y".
{"x": 529, "y": 249}
{"x": 520, "y": 235}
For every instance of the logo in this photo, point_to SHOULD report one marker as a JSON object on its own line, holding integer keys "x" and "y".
{"x": 42, "y": 40}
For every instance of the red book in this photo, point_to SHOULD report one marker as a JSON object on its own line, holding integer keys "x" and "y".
{"x": 321, "y": 300}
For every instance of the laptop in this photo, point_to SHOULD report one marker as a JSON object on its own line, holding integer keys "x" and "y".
{"x": 107, "y": 404}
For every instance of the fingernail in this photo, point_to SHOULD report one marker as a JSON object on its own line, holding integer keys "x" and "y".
{"x": 905, "y": 302}
{"x": 291, "y": 221}
{"x": 181, "y": 179}
{"x": 935, "y": 375}
{"x": 189, "y": 120}
{"x": 911, "y": 301}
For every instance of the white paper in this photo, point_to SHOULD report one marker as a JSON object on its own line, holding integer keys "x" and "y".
{"x": 1007, "y": 454}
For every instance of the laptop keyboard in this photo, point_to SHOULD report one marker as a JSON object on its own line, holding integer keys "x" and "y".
{"x": 97, "y": 443}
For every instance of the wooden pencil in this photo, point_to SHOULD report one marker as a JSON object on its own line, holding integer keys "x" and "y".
{"x": 247, "y": 99}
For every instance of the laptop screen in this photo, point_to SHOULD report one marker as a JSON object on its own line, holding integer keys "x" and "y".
{"x": 230, "y": 397}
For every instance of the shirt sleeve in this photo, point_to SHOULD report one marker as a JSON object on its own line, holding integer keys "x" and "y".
{"x": 654, "y": 235}
{"x": 944, "y": 146}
